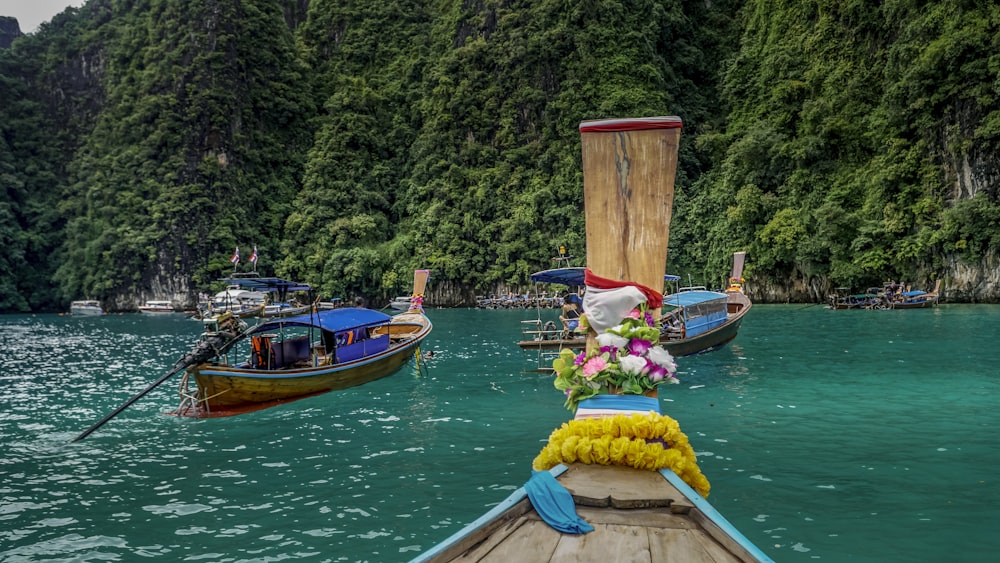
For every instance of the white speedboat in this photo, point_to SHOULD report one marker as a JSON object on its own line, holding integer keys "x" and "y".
{"x": 401, "y": 303}
{"x": 157, "y": 307}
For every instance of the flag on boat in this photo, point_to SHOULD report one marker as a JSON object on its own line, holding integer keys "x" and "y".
{"x": 236, "y": 257}
{"x": 253, "y": 256}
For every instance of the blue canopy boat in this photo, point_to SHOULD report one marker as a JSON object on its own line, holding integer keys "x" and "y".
{"x": 694, "y": 321}
{"x": 293, "y": 357}
{"x": 890, "y": 296}
{"x": 913, "y": 299}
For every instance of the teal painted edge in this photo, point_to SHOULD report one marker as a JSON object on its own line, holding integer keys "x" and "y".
{"x": 515, "y": 497}
{"x": 714, "y": 515}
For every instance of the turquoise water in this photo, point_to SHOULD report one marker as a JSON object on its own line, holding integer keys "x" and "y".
{"x": 827, "y": 436}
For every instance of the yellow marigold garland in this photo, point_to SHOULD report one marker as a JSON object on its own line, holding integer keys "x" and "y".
{"x": 621, "y": 440}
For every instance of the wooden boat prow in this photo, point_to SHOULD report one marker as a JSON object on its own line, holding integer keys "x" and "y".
{"x": 608, "y": 510}
{"x": 637, "y": 516}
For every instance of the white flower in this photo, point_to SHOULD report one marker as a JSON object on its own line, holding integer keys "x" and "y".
{"x": 632, "y": 364}
{"x": 662, "y": 358}
{"x": 608, "y": 339}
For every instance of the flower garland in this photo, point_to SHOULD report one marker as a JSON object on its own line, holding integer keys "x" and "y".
{"x": 417, "y": 301}
{"x": 629, "y": 360}
{"x": 644, "y": 441}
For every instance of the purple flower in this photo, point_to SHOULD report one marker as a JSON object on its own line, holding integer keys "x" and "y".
{"x": 649, "y": 319}
{"x": 611, "y": 351}
{"x": 580, "y": 359}
{"x": 656, "y": 372}
{"x": 638, "y": 346}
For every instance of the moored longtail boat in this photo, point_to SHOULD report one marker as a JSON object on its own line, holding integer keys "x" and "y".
{"x": 290, "y": 358}
{"x": 912, "y": 299}
{"x": 699, "y": 321}
{"x": 620, "y": 481}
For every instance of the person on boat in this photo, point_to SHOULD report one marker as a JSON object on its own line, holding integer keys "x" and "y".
{"x": 577, "y": 299}
{"x": 570, "y": 316}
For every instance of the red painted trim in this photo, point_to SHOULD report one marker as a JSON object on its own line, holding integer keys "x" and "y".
{"x": 631, "y": 124}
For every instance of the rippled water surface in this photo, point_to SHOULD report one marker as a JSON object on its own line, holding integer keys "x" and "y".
{"x": 826, "y": 435}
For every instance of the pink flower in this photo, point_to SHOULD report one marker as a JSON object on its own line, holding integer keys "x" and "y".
{"x": 639, "y": 347}
{"x": 594, "y": 366}
{"x": 635, "y": 314}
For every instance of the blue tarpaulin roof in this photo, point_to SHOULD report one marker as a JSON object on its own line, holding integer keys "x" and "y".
{"x": 333, "y": 320}
{"x": 571, "y": 276}
{"x": 688, "y": 298}
{"x": 913, "y": 293}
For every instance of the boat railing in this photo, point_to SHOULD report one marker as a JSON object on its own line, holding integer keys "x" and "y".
{"x": 536, "y": 329}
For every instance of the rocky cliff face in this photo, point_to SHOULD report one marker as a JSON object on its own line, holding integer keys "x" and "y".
{"x": 9, "y": 31}
{"x": 961, "y": 282}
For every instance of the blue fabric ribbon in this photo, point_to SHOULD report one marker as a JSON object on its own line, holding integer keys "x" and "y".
{"x": 555, "y": 504}
{"x": 622, "y": 402}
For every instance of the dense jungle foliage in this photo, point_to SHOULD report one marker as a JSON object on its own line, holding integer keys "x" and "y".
{"x": 840, "y": 143}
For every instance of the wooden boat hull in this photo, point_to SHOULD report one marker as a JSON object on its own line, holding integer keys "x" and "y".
{"x": 707, "y": 341}
{"x": 231, "y": 388}
{"x": 913, "y": 305}
{"x": 651, "y": 516}
{"x": 82, "y": 312}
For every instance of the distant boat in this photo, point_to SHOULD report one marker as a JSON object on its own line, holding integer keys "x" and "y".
{"x": 889, "y": 296}
{"x": 843, "y": 299}
{"x": 86, "y": 308}
{"x": 910, "y": 299}
{"x": 251, "y": 295}
{"x": 695, "y": 321}
{"x": 289, "y": 358}
{"x": 284, "y": 309}
{"x": 240, "y": 302}
{"x": 400, "y": 303}
{"x": 157, "y": 307}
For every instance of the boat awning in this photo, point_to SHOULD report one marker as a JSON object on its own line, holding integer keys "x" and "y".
{"x": 268, "y": 284}
{"x": 565, "y": 276}
{"x": 572, "y": 276}
{"x": 333, "y": 320}
{"x": 914, "y": 293}
{"x": 689, "y": 298}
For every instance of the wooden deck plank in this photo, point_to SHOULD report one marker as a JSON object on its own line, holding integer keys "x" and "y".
{"x": 490, "y": 534}
{"x": 531, "y": 541}
{"x": 479, "y": 551}
{"x": 608, "y": 542}
{"x": 692, "y": 546}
